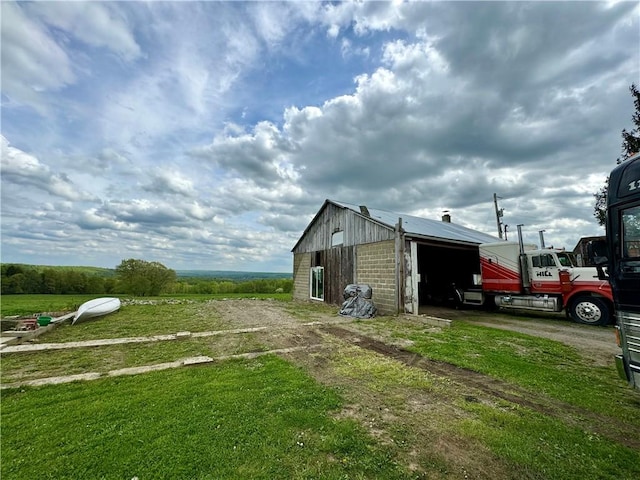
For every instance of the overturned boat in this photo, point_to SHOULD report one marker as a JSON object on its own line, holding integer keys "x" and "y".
{"x": 96, "y": 308}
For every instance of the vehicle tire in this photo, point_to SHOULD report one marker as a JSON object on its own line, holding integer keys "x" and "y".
{"x": 455, "y": 297}
{"x": 590, "y": 311}
{"x": 489, "y": 303}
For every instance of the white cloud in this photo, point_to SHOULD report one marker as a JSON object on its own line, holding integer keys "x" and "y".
{"x": 348, "y": 50}
{"x": 422, "y": 58}
{"x": 95, "y": 23}
{"x": 209, "y": 133}
{"x": 201, "y": 212}
{"x": 32, "y": 61}
{"x": 170, "y": 181}
{"x": 21, "y": 169}
{"x": 261, "y": 154}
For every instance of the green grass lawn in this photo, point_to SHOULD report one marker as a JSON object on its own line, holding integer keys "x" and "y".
{"x": 258, "y": 419}
{"x": 541, "y": 365}
{"x": 141, "y": 321}
{"x": 533, "y": 443}
{"x": 53, "y": 363}
{"x": 130, "y": 321}
{"x": 543, "y": 447}
{"x": 135, "y": 318}
{"x": 538, "y": 364}
{"x": 34, "y": 304}
{"x": 530, "y": 444}
{"x": 266, "y": 418}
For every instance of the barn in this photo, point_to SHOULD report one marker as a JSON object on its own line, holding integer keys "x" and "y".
{"x": 408, "y": 261}
{"x": 581, "y": 252}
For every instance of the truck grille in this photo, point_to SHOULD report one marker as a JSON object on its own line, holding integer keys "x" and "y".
{"x": 630, "y": 325}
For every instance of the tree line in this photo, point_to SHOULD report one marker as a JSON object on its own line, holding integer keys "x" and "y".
{"x": 132, "y": 276}
{"x": 222, "y": 286}
{"x": 630, "y": 146}
{"x": 17, "y": 279}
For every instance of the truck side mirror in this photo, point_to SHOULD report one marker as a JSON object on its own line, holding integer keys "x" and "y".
{"x": 599, "y": 261}
{"x": 596, "y": 252}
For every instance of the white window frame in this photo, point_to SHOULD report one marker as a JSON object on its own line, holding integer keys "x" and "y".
{"x": 313, "y": 282}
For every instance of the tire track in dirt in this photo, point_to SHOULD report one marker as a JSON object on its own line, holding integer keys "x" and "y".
{"x": 285, "y": 330}
{"x": 574, "y": 416}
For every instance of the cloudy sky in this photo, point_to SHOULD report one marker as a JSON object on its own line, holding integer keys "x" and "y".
{"x": 206, "y": 135}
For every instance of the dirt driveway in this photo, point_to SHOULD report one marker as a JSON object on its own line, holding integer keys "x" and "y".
{"x": 346, "y": 355}
{"x": 596, "y": 343}
{"x": 403, "y": 399}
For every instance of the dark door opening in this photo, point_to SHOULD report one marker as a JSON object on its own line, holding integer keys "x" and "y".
{"x": 444, "y": 267}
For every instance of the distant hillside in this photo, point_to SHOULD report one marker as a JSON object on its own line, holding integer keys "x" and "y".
{"x": 200, "y": 274}
{"x": 230, "y": 275}
{"x": 98, "y": 271}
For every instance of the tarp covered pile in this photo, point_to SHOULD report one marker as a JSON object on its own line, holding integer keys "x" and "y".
{"x": 358, "y": 302}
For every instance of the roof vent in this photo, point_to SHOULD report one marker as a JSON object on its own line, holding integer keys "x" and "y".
{"x": 364, "y": 211}
{"x": 446, "y": 217}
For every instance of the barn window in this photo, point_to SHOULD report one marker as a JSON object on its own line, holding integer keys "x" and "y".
{"x": 317, "y": 283}
{"x": 337, "y": 238}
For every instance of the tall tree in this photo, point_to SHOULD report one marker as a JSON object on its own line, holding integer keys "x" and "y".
{"x": 143, "y": 278}
{"x": 630, "y": 146}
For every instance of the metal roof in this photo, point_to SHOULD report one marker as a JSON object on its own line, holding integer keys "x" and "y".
{"x": 424, "y": 227}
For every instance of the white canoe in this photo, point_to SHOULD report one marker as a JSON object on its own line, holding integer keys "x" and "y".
{"x": 96, "y": 308}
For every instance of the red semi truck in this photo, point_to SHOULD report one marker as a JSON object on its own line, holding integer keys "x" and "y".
{"x": 523, "y": 276}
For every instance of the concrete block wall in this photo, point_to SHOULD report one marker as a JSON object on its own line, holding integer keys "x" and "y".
{"x": 301, "y": 268}
{"x": 376, "y": 266}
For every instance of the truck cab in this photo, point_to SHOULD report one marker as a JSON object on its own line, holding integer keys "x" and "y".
{"x": 623, "y": 263}
{"x": 523, "y": 276}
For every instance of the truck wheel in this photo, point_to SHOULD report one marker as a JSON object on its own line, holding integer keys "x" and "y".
{"x": 489, "y": 303}
{"x": 590, "y": 311}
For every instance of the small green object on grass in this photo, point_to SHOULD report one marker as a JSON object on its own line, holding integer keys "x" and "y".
{"x": 44, "y": 321}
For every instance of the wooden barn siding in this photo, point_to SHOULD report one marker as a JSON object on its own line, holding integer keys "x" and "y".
{"x": 357, "y": 230}
{"x": 339, "y": 270}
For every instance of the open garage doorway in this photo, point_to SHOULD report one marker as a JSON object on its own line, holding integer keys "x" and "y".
{"x": 443, "y": 266}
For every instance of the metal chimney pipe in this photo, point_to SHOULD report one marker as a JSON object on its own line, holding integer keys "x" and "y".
{"x": 524, "y": 269}
{"x": 541, "y": 233}
{"x": 499, "y": 214}
{"x": 520, "y": 242}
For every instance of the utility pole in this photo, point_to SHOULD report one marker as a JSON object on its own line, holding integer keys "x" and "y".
{"x": 499, "y": 214}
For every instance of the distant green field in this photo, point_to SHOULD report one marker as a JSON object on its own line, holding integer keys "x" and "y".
{"x": 232, "y": 275}
{"x": 81, "y": 280}
{"x": 34, "y": 304}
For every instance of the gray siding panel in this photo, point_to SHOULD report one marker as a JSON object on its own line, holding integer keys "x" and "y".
{"x": 357, "y": 230}
{"x": 426, "y": 228}
{"x": 339, "y": 270}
